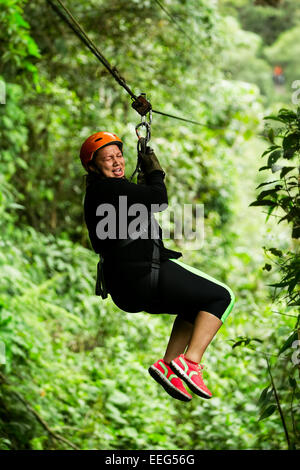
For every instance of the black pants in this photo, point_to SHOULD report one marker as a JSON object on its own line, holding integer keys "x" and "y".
{"x": 182, "y": 290}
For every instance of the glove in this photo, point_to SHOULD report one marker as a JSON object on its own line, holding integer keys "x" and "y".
{"x": 141, "y": 178}
{"x": 149, "y": 161}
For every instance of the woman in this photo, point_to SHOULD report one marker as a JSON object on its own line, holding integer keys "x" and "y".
{"x": 133, "y": 277}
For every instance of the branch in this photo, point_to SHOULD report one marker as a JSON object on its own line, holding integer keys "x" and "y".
{"x": 278, "y": 405}
{"x": 285, "y": 314}
{"x": 38, "y": 417}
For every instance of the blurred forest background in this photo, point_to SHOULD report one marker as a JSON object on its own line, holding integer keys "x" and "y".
{"x": 74, "y": 367}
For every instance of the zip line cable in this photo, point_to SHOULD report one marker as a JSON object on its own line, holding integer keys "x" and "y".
{"x": 185, "y": 120}
{"x": 69, "y": 19}
{"x": 174, "y": 20}
{"x": 80, "y": 33}
{"x": 180, "y": 28}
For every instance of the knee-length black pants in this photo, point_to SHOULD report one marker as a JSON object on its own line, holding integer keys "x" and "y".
{"x": 182, "y": 290}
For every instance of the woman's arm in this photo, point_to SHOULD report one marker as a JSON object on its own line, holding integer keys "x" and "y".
{"x": 154, "y": 192}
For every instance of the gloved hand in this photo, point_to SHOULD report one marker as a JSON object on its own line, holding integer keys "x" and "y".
{"x": 141, "y": 178}
{"x": 149, "y": 161}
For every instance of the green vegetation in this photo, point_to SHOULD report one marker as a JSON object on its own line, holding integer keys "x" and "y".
{"x": 76, "y": 366}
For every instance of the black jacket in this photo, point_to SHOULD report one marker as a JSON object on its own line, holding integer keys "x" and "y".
{"x": 101, "y": 190}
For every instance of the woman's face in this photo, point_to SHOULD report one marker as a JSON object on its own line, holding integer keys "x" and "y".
{"x": 110, "y": 161}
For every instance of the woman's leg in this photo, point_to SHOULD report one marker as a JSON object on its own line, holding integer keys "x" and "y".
{"x": 184, "y": 289}
{"x": 205, "y": 327}
{"x": 179, "y": 339}
{"x": 197, "y": 337}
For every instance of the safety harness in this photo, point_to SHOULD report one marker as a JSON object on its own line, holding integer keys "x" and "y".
{"x": 151, "y": 222}
{"x": 101, "y": 289}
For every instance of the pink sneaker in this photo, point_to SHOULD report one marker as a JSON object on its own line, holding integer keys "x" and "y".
{"x": 163, "y": 374}
{"x": 191, "y": 373}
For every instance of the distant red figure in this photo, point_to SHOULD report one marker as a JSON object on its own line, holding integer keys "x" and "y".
{"x": 278, "y": 75}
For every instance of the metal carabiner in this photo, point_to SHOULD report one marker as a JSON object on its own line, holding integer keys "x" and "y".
{"x": 147, "y": 138}
{"x": 143, "y": 118}
{"x": 142, "y": 141}
{"x": 147, "y": 125}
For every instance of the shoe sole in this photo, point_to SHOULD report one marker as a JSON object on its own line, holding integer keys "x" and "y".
{"x": 166, "y": 384}
{"x": 178, "y": 371}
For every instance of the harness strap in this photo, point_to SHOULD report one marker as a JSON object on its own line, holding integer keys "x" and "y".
{"x": 100, "y": 282}
{"x": 155, "y": 267}
{"x": 101, "y": 289}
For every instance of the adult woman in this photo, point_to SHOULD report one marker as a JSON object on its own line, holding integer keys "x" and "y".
{"x": 200, "y": 302}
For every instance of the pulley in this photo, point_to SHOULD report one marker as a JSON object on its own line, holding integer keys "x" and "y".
{"x": 143, "y": 141}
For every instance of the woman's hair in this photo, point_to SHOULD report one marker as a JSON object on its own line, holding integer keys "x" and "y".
{"x": 92, "y": 175}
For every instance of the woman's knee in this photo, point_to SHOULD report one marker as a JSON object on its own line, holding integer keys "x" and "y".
{"x": 222, "y": 303}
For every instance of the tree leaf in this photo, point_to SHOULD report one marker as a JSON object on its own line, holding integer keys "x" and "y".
{"x": 267, "y": 412}
{"x": 273, "y": 157}
{"x": 263, "y": 395}
{"x": 269, "y": 149}
{"x": 263, "y": 202}
{"x": 271, "y": 135}
{"x": 287, "y": 115}
{"x": 265, "y": 184}
{"x": 288, "y": 342}
{"x": 267, "y": 192}
{"x": 274, "y": 118}
{"x": 285, "y": 170}
{"x": 264, "y": 168}
{"x": 291, "y": 140}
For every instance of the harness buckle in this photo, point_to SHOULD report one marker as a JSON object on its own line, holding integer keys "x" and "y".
{"x": 155, "y": 264}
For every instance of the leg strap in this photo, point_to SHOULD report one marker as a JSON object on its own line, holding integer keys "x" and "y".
{"x": 100, "y": 282}
{"x": 155, "y": 267}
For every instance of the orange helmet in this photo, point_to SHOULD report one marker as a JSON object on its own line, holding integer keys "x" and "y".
{"x": 96, "y": 142}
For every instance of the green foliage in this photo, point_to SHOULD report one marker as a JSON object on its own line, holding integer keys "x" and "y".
{"x": 284, "y": 51}
{"x": 67, "y": 105}
{"x": 76, "y": 368}
{"x": 284, "y": 191}
{"x": 242, "y": 57}
{"x": 267, "y": 19}
{"x": 18, "y": 48}
{"x": 284, "y": 197}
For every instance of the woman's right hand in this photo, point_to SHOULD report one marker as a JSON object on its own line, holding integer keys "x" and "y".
{"x": 149, "y": 161}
